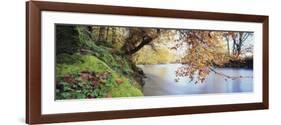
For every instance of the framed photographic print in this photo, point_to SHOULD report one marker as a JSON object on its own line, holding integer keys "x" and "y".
{"x": 93, "y": 62}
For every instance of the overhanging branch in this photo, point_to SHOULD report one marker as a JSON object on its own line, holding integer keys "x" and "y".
{"x": 228, "y": 76}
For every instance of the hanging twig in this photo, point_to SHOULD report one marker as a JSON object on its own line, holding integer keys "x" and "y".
{"x": 228, "y": 76}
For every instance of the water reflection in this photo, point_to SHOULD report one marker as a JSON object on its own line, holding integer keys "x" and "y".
{"x": 161, "y": 81}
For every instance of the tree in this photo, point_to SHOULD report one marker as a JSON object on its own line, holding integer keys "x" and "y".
{"x": 138, "y": 37}
{"x": 238, "y": 40}
{"x": 206, "y": 50}
{"x": 227, "y": 37}
{"x": 114, "y": 35}
{"x": 102, "y": 34}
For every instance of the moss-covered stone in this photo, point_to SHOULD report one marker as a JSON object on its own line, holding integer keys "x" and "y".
{"x": 84, "y": 63}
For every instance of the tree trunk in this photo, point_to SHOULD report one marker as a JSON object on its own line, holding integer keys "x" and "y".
{"x": 114, "y": 35}
{"x": 228, "y": 48}
{"x": 145, "y": 41}
{"x": 102, "y": 34}
{"x": 239, "y": 44}
{"x": 234, "y": 46}
{"x": 107, "y": 31}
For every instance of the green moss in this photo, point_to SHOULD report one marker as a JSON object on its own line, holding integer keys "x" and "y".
{"x": 86, "y": 63}
{"x": 68, "y": 59}
{"x": 125, "y": 90}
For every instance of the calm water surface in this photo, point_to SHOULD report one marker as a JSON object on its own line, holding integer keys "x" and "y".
{"x": 161, "y": 81}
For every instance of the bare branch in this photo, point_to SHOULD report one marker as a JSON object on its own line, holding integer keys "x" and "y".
{"x": 245, "y": 36}
{"x": 228, "y": 76}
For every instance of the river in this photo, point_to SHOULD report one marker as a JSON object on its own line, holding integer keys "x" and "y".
{"x": 161, "y": 81}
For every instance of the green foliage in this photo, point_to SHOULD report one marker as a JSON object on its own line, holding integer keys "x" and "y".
{"x": 79, "y": 90}
{"x": 103, "y": 89}
{"x": 85, "y": 37}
